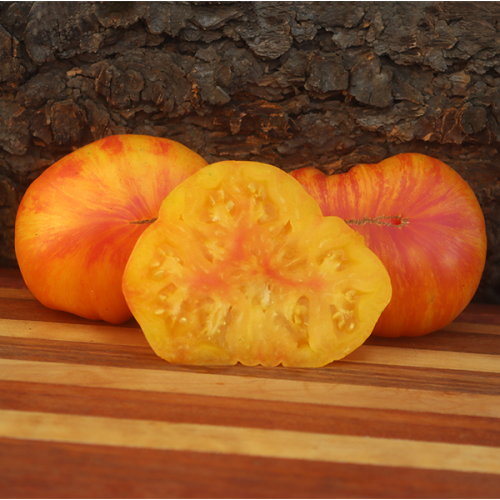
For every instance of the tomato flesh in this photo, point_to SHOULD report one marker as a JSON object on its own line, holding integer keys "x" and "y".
{"x": 241, "y": 266}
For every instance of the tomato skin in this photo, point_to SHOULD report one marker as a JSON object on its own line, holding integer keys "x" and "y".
{"x": 79, "y": 220}
{"x": 241, "y": 266}
{"x": 424, "y": 223}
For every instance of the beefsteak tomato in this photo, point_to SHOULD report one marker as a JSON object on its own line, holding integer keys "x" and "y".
{"x": 79, "y": 220}
{"x": 424, "y": 222}
{"x": 241, "y": 266}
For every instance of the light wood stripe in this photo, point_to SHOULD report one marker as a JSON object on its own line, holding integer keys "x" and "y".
{"x": 446, "y": 360}
{"x": 463, "y": 327}
{"x": 16, "y": 293}
{"x": 248, "y": 441}
{"x": 365, "y": 354}
{"x": 69, "y": 332}
{"x": 255, "y": 388}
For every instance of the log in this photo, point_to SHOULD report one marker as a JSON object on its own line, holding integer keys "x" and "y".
{"x": 294, "y": 84}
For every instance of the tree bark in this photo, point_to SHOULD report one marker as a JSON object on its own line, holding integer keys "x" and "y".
{"x": 294, "y": 84}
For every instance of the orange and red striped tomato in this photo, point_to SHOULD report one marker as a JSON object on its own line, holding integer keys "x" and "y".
{"x": 424, "y": 223}
{"x": 79, "y": 220}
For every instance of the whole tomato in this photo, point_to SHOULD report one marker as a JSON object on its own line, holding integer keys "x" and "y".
{"x": 424, "y": 223}
{"x": 79, "y": 220}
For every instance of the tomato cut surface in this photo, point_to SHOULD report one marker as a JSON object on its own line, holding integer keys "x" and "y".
{"x": 241, "y": 266}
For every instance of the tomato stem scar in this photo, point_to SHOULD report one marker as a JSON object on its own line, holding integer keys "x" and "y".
{"x": 382, "y": 220}
{"x": 145, "y": 221}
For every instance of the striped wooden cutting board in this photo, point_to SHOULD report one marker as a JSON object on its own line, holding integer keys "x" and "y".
{"x": 88, "y": 410}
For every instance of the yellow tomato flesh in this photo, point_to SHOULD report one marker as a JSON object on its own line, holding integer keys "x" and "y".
{"x": 241, "y": 266}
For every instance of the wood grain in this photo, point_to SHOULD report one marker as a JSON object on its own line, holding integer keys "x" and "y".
{"x": 200, "y": 409}
{"x": 64, "y": 469}
{"x": 88, "y": 410}
{"x": 248, "y": 441}
{"x": 364, "y": 396}
{"x": 473, "y": 328}
{"x": 399, "y": 356}
{"x": 364, "y": 354}
{"x": 72, "y": 332}
{"x": 16, "y": 293}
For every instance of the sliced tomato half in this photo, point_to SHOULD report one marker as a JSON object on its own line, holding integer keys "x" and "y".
{"x": 241, "y": 266}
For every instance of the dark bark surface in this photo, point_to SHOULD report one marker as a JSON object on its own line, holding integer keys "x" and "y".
{"x": 325, "y": 84}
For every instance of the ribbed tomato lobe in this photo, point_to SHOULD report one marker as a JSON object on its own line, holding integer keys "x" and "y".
{"x": 434, "y": 247}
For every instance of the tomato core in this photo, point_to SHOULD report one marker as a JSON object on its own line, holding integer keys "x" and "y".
{"x": 145, "y": 221}
{"x": 382, "y": 220}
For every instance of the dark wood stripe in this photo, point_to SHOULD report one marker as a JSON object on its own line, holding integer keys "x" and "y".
{"x": 35, "y": 311}
{"x": 481, "y": 313}
{"x": 395, "y": 424}
{"x": 477, "y": 343}
{"x": 11, "y": 278}
{"x": 32, "y": 469}
{"x": 338, "y": 372}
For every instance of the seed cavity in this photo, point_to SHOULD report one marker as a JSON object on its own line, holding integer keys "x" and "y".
{"x": 285, "y": 231}
{"x": 342, "y": 317}
{"x": 295, "y": 322}
{"x": 351, "y": 296}
{"x": 265, "y": 298}
{"x": 217, "y": 207}
{"x": 166, "y": 294}
{"x": 159, "y": 274}
{"x": 331, "y": 258}
{"x": 300, "y": 314}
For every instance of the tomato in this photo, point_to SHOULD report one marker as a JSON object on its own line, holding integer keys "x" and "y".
{"x": 241, "y": 266}
{"x": 79, "y": 220}
{"x": 426, "y": 225}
